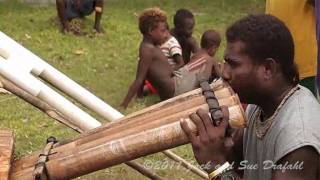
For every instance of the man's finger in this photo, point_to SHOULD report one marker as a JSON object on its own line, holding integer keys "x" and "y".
{"x": 191, "y": 136}
{"x": 200, "y": 126}
{"x": 225, "y": 118}
{"x": 206, "y": 119}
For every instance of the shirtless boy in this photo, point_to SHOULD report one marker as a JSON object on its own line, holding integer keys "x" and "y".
{"x": 153, "y": 64}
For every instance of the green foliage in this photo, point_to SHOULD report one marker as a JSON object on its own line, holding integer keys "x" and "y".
{"x": 105, "y": 64}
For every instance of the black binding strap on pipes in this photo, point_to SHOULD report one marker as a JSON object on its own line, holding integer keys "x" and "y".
{"x": 214, "y": 108}
{"x": 39, "y": 172}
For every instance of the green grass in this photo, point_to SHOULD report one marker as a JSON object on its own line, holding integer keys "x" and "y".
{"x": 106, "y": 68}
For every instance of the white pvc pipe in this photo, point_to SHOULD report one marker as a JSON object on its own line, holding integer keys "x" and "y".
{"x": 35, "y": 87}
{"x": 32, "y": 63}
{"x": 80, "y": 94}
{"x": 23, "y": 80}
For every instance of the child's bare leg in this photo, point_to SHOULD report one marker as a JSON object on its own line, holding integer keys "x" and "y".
{"x": 62, "y": 13}
{"x": 98, "y": 10}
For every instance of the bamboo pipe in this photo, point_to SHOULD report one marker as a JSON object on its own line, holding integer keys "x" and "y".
{"x": 85, "y": 160}
{"x": 136, "y": 120}
{"x": 26, "y": 162}
{"x": 112, "y": 128}
{"x": 216, "y": 85}
{"x": 65, "y": 153}
{"x": 103, "y": 132}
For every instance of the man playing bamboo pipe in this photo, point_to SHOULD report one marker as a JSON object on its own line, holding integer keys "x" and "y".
{"x": 282, "y": 137}
{"x": 154, "y": 66}
{"x": 70, "y": 9}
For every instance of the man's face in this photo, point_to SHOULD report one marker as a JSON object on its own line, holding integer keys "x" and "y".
{"x": 186, "y": 27}
{"x": 240, "y": 71}
{"x": 159, "y": 34}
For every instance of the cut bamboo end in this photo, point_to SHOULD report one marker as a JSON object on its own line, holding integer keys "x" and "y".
{"x": 237, "y": 118}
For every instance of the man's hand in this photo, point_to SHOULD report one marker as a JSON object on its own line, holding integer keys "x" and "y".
{"x": 208, "y": 145}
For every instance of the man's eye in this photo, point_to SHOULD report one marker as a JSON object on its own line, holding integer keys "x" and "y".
{"x": 231, "y": 64}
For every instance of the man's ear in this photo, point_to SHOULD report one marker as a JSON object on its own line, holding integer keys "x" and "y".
{"x": 270, "y": 68}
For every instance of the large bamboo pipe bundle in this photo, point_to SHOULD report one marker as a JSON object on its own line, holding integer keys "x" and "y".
{"x": 12, "y": 53}
{"x": 151, "y": 130}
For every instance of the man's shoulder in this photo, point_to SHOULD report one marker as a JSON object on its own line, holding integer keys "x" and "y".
{"x": 298, "y": 123}
{"x": 303, "y": 101}
{"x": 302, "y": 109}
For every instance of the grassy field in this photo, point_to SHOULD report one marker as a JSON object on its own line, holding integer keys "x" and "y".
{"x": 106, "y": 66}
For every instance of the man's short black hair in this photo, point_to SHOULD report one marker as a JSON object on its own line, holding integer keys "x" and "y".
{"x": 181, "y": 15}
{"x": 265, "y": 36}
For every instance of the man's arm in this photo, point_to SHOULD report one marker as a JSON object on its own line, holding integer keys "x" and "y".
{"x": 98, "y": 10}
{"x": 143, "y": 66}
{"x": 308, "y": 159}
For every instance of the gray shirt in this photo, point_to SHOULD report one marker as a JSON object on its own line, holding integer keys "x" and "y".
{"x": 296, "y": 125}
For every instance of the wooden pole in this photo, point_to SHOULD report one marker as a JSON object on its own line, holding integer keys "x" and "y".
{"x": 143, "y": 170}
{"x": 186, "y": 163}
